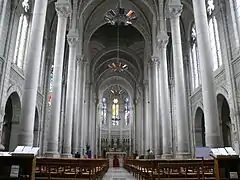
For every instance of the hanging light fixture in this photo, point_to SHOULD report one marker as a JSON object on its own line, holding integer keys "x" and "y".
{"x": 119, "y": 17}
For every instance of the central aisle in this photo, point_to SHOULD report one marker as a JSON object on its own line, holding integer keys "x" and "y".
{"x": 118, "y": 174}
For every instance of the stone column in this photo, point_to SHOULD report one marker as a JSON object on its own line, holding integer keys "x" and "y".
{"x": 150, "y": 96}
{"x": 67, "y": 141}
{"x": 208, "y": 87}
{"x": 139, "y": 130}
{"x": 77, "y": 125}
{"x": 165, "y": 97}
{"x": 155, "y": 106}
{"x": 92, "y": 121}
{"x": 109, "y": 121}
{"x": 86, "y": 113}
{"x": 32, "y": 73}
{"x": 131, "y": 129}
{"x": 122, "y": 125}
{"x": 82, "y": 102}
{"x": 180, "y": 89}
{"x": 63, "y": 10}
{"x": 146, "y": 119}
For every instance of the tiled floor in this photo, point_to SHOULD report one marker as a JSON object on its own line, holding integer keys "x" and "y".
{"x": 117, "y": 174}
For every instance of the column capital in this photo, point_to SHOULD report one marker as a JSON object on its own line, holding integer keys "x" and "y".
{"x": 72, "y": 38}
{"x": 162, "y": 39}
{"x": 175, "y": 10}
{"x": 63, "y": 8}
{"x": 155, "y": 59}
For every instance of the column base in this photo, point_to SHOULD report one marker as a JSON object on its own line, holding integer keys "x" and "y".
{"x": 183, "y": 155}
{"x": 2, "y": 147}
{"x": 52, "y": 154}
{"x": 158, "y": 156}
{"x": 66, "y": 155}
{"x": 167, "y": 156}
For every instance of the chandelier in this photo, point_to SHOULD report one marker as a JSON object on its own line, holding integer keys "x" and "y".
{"x": 116, "y": 91}
{"x": 118, "y": 66}
{"x": 119, "y": 17}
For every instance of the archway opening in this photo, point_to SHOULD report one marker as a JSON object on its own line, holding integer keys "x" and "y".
{"x": 224, "y": 114}
{"x": 11, "y": 122}
{"x": 7, "y": 124}
{"x": 200, "y": 140}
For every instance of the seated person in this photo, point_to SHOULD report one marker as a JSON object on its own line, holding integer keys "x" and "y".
{"x": 135, "y": 155}
{"x": 150, "y": 154}
{"x": 77, "y": 155}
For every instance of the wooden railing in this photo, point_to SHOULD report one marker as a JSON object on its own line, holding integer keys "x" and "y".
{"x": 171, "y": 169}
{"x": 70, "y": 168}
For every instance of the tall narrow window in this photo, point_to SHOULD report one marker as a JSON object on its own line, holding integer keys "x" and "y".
{"x": 22, "y": 34}
{"x": 104, "y": 111}
{"x": 237, "y": 5}
{"x": 115, "y": 113}
{"x": 126, "y": 111}
{"x": 195, "y": 60}
{"x": 214, "y": 36}
{"x": 50, "y": 87}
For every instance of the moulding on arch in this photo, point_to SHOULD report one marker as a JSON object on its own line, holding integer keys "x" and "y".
{"x": 12, "y": 89}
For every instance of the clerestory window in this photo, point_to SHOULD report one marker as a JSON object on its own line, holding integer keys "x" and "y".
{"x": 194, "y": 56}
{"x": 214, "y": 36}
{"x": 22, "y": 35}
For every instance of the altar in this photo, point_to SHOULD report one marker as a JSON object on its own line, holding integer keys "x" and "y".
{"x": 116, "y": 159}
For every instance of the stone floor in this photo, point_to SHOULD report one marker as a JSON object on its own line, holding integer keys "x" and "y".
{"x": 117, "y": 174}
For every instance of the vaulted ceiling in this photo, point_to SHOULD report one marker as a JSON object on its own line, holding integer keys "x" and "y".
{"x": 100, "y": 42}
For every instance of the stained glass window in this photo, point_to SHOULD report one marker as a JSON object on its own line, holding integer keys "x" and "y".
{"x": 115, "y": 113}
{"x": 50, "y": 87}
{"x": 214, "y": 36}
{"x": 104, "y": 111}
{"x": 22, "y": 35}
{"x": 126, "y": 111}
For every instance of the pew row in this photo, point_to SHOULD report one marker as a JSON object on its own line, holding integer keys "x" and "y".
{"x": 193, "y": 169}
{"x": 70, "y": 168}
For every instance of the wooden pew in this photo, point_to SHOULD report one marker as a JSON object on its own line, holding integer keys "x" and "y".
{"x": 25, "y": 165}
{"x": 70, "y": 168}
{"x": 193, "y": 169}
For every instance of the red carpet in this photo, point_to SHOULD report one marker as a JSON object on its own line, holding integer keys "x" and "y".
{"x": 116, "y": 162}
